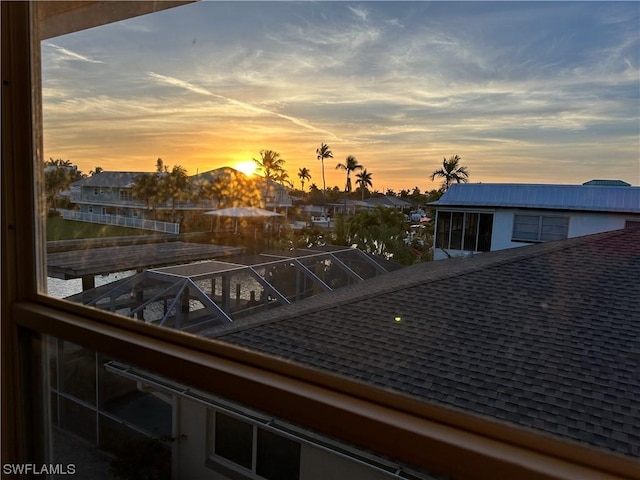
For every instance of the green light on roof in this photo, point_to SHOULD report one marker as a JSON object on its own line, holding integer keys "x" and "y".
{"x": 398, "y": 318}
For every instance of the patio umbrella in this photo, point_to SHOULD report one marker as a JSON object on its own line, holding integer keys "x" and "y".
{"x": 242, "y": 212}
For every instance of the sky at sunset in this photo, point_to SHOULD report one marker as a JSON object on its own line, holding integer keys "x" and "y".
{"x": 541, "y": 92}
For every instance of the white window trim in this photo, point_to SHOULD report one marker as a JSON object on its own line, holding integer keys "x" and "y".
{"x": 431, "y": 437}
{"x": 541, "y": 217}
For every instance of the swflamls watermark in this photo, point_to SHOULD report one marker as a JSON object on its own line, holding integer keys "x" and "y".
{"x": 38, "y": 469}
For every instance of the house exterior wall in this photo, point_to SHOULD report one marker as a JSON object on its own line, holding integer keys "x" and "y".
{"x": 580, "y": 223}
{"x": 192, "y": 452}
{"x": 317, "y": 464}
{"x": 191, "y": 447}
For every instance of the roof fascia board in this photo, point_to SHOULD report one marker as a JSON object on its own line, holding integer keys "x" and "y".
{"x": 61, "y": 18}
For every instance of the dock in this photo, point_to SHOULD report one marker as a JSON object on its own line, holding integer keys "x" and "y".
{"x": 89, "y": 262}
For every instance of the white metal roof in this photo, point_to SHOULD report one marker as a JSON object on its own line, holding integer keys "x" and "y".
{"x": 557, "y": 197}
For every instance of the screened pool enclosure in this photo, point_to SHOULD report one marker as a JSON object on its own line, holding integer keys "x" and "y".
{"x": 199, "y": 296}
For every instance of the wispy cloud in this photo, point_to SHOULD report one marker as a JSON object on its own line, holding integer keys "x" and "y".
{"x": 522, "y": 91}
{"x": 237, "y": 103}
{"x": 69, "y": 55}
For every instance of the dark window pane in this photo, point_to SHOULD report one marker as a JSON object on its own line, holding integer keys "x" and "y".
{"x": 278, "y": 458}
{"x": 456, "y": 230}
{"x": 526, "y": 227}
{"x": 54, "y": 409}
{"x": 77, "y": 372}
{"x": 485, "y": 229}
{"x": 443, "y": 228}
{"x": 135, "y": 455}
{"x": 554, "y": 228}
{"x": 234, "y": 440}
{"x": 77, "y": 419}
{"x": 470, "y": 231}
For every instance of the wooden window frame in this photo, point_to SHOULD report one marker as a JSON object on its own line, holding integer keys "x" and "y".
{"x": 427, "y": 436}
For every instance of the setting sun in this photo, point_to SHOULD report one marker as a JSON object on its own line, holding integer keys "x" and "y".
{"x": 246, "y": 167}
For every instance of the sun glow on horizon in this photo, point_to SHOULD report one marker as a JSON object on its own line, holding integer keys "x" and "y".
{"x": 247, "y": 167}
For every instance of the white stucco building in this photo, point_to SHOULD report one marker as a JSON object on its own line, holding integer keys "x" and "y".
{"x": 472, "y": 218}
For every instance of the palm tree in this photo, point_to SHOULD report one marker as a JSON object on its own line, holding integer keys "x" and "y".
{"x": 364, "y": 180}
{"x": 145, "y": 189}
{"x": 174, "y": 186}
{"x": 322, "y": 153}
{"x": 283, "y": 178}
{"x": 304, "y": 174}
{"x": 96, "y": 171}
{"x": 271, "y": 165}
{"x": 350, "y": 164}
{"x": 58, "y": 176}
{"x": 451, "y": 171}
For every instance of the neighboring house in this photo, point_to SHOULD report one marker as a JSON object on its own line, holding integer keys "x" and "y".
{"x": 274, "y": 195}
{"x": 522, "y": 336}
{"x": 387, "y": 201}
{"x": 108, "y": 193}
{"x": 485, "y": 217}
{"x": 111, "y": 194}
{"x": 277, "y": 195}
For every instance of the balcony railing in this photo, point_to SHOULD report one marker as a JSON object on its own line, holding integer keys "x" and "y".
{"x": 121, "y": 221}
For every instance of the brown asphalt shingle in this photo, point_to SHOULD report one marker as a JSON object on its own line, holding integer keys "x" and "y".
{"x": 546, "y": 336}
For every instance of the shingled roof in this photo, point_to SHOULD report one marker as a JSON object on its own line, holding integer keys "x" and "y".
{"x": 544, "y": 336}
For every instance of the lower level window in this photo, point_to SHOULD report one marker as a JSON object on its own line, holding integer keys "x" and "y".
{"x": 260, "y": 451}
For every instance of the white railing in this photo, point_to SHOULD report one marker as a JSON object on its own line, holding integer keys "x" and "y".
{"x": 121, "y": 221}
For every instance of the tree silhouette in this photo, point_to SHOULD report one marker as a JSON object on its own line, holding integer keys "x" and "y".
{"x": 364, "y": 181}
{"x": 451, "y": 171}
{"x": 58, "y": 176}
{"x": 174, "y": 187}
{"x": 350, "y": 164}
{"x": 271, "y": 165}
{"x": 321, "y": 153}
{"x": 304, "y": 175}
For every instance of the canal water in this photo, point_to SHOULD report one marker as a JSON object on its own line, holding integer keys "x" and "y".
{"x": 59, "y": 288}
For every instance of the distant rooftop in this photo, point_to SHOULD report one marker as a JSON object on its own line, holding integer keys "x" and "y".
{"x": 387, "y": 201}
{"x": 608, "y": 183}
{"x": 601, "y": 198}
{"x": 109, "y": 179}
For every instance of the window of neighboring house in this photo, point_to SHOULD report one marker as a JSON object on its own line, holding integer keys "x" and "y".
{"x": 539, "y": 228}
{"x": 464, "y": 231}
{"x": 443, "y": 229}
{"x": 125, "y": 195}
{"x": 265, "y": 453}
{"x": 485, "y": 230}
{"x": 457, "y": 225}
{"x": 96, "y": 191}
